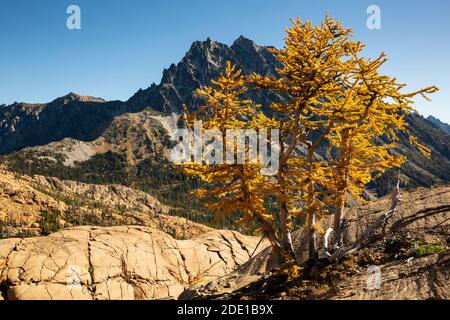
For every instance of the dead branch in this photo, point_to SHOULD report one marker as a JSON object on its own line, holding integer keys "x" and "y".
{"x": 381, "y": 221}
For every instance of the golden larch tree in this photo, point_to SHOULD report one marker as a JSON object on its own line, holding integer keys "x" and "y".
{"x": 333, "y": 97}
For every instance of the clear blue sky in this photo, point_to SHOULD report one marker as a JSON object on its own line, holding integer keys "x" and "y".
{"x": 124, "y": 45}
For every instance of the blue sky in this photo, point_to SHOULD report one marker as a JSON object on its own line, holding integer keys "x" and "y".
{"x": 124, "y": 45}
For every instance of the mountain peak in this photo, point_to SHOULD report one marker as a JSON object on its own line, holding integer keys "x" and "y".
{"x": 242, "y": 40}
{"x": 72, "y": 96}
{"x": 207, "y": 45}
{"x": 204, "y": 61}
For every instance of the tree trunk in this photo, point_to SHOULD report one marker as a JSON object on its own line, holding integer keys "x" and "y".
{"x": 286, "y": 236}
{"x": 312, "y": 237}
{"x": 285, "y": 221}
{"x": 342, "y": 175}
{"x": 337, "y": 225}
{"x": 276, "y": 243}
{"x": 269, "y": 232}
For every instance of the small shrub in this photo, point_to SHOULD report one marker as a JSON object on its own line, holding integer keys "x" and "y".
{"x": 49, "y": 222}
{"x": 428, "y": 249}
{"x": 292, "y": 272}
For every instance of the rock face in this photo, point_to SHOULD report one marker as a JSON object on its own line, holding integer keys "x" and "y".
{"x": 72, "y": 116}
{"x": 203, "y": 62}
{"x": 116, "y": 263}
{"x": 137, "y": 136}
{"x": 422, "y": 219}
{"x": 421, "y": 279}
{"x": 444, "y": 126}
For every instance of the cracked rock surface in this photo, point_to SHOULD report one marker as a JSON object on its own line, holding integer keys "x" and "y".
{"x": 116, "y": 263}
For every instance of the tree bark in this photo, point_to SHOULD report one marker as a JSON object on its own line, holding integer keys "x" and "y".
{"x": 342, "y": 184}
{"x": 269, "y": 232}
{"x": 312, "y": 237}
{"x": 286, "y": 236}
{"x": 337, "y": 225}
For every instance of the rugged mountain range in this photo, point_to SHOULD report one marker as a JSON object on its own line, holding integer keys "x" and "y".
{"x": 73, "y": 129}
{"x": 85, "y": 118}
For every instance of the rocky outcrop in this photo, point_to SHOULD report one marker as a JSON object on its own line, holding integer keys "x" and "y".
{"x": 111, "y": 195}
{"x": 25, "y": 201}
{"x": 418, "y": 279}
{"x": 438, "y": 123}
{"x": 21, "y": 205}
{"x": 406, "y": 272}
{"x": 116, "y": 263}
{"x": 131, "y": 262}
